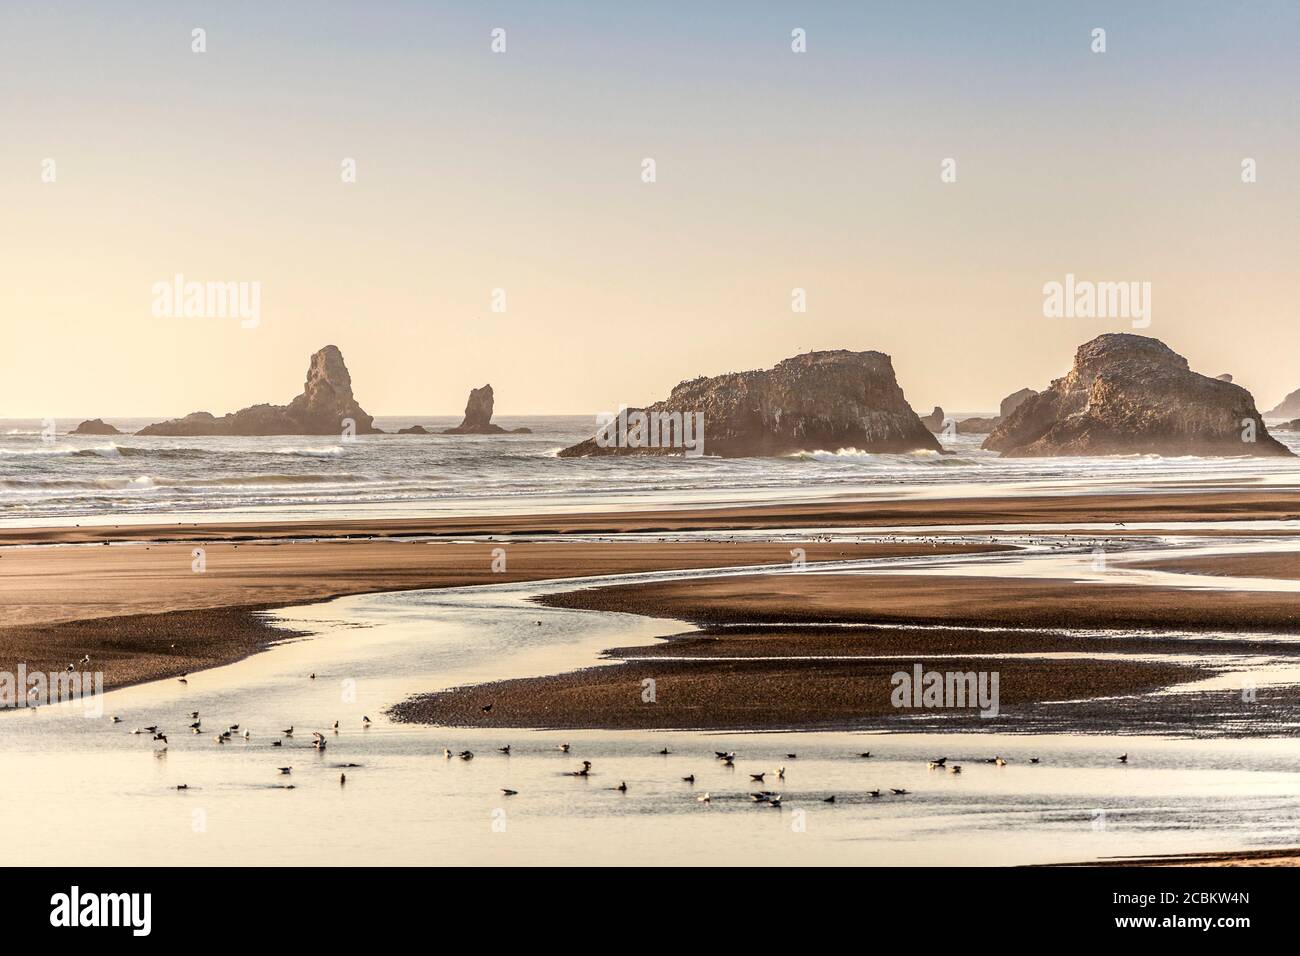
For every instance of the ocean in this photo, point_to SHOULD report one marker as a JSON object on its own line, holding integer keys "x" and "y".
{"x": 97, "y": 479}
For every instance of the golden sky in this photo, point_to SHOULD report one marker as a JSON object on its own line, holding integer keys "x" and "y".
{"x": 522, "y": 170}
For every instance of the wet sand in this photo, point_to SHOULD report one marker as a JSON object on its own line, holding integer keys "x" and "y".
{"x": 142, "y": 613}
{"x": 1129, "y": 509}
{"x": 729, "y": 685}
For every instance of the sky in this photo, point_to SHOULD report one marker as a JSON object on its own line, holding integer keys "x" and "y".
{"x": 522, "y": 171}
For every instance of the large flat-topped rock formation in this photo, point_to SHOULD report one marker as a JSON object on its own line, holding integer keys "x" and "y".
{"x": 1129, "y": 394}
{"x": 819, "y": 400}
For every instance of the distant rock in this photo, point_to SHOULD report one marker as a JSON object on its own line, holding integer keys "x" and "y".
{"x": 1014, "y": 401}
{"x": 1129, "y": 394}
{"x": 95, "y": 426}
{"x": 325, "y": 403}
{"x": 414, "y": 430}
{"x": 933, "y": 421}
{"x": 1289, "y": 407}
{"x": 819, "y": 400}
{"x": 478, "y": 417}
{"x": 1292, "y": 426}
{"x": 1225, "y": 377}
{"x": 977, "y": 426}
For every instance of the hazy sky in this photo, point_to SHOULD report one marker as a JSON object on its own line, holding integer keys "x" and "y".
{"x": 522, "y": 170}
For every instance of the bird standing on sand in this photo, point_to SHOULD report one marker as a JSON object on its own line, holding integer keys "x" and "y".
{"x": 704, "y": 798}
{"x": 508, "y": 792}
{"x": 999, "y": 761}
{"x": 486, "y": 708}
{"x": 285, "y": 770}
{"x": 664, "y": 752}
{"x": 874, "y": 793}
{"x": 898, "y": 792}
{"x": 365, "y": 721}
{"x": 466, "y": 755}
{"x": 1123, "y": 758}
{"x": 1033, "y": 760}
{"x": 830, "y": 799}
{"x": 563, "y": 748}
{"x": 289, "y": 732}
{"x": 758, "y": 777}
{"x": 343, "y": 778}
{"x": 622, "y": 787}
{"x": 277, "y": 743}
{"x": 504, "y": 750}
{"x": 690, "y": 779}
{"x": 867, "y": 754}
{"x": 584, "y": 772}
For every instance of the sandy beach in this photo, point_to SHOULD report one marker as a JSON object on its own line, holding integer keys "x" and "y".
{"x": 128, "y": 596}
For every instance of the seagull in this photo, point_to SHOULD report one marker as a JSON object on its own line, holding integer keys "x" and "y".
{"x": 311, "y": 676}
{"x": 233, "y": 727}
{"x": 343, "y": 778}
{"x": 247, "y": 735}
{"x": 182, "y": 786}
{"x": 508, "y": 792}
{"x": 194, "y": 715}
{"x": 182, "y": 679}
{"x": 446, "y": 752}
{"x": 664, "y": 752}
{"x": 1124, "y": 758}
{"x": 999, "y": 761}
{"x": 1033, "y": 760}
{"x": 466, "y": 755}
{"x": 162, "y": 737}
{"x": 729, "y": 761}
{"x": 690, "y": 779}
{"x": 898, "y": 792}
{"x": 704, "y": 798}
{"x": 938, "y": 762}
{"x": 504, "y": 750}
{"x": 955, "y": 768}
{"x": 486, "y": 708}
{"x": 725, "y": 754}
{"x": 336, "y": 726}
{"x": 153, "y": 729}
{"x": 365, "y": 721}
{"x": 780, "y": 772}
{"x": 621, "y": 788}
{"x": 791, "y": 756}
{"x": 195, "y": 726}
{"x": 286, "y": 770}
{"x": 289, "y": 732}
{"x": 758, "y": 776}
{"x": 830, "y": 799}
{"x": 585, "y": 771}
{"x": 276, "y": 743}
{"x": 117, "y": 720}
{"x": 563, "y": 748}
{"x": 867, "y": 754}
{"x": 85, "y": 660}
{"x": 874, "y": 793}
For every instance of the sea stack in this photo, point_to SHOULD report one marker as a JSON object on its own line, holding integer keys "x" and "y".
{"x": 1128, "y": 394}
{"x": 325, "y": 407}
{"x": 933, "y": 421}
{"x": 819, "y": 400}
{"x": 478, "y": 417}
{"x": 94, "y": 426}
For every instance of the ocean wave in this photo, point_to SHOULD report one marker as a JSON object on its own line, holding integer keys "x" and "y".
{"x": 334, "y": 451}
{"x": 57, "y": 451}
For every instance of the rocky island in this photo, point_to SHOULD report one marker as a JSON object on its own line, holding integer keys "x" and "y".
{"x": 478, "y": 417}
{"x": 1128, "y": 394}
{"x": 819, "y": 400}
{"x": 95, "y": 426}
{"x": 324, "y": 406}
